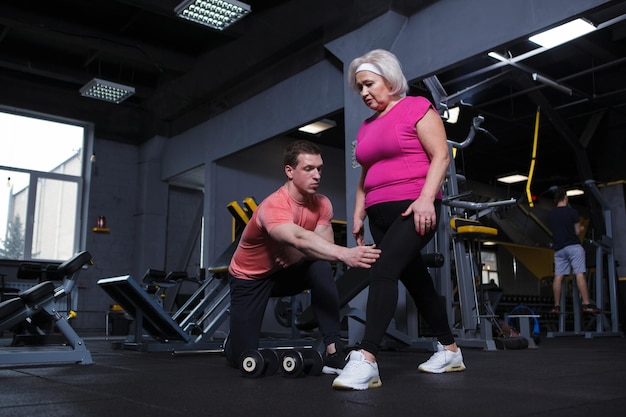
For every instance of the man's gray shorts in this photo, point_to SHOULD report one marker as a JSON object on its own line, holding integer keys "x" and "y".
{"x": 570, "y": 256}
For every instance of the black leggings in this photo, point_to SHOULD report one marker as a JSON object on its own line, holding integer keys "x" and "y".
{"x": 248, "y": 299}
{"x": 400, "y": 260}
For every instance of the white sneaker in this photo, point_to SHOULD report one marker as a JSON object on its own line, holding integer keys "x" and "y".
{"x": 358, "y": 373}
{"x": 443, "y": 361}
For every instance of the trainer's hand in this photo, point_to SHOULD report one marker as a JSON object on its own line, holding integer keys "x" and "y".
{"x": 361, "y": 256}
{"x": 288, "y": 256}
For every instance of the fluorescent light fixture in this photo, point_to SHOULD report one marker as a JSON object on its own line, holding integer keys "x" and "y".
{"x": 217, "y": 14}
{"x": 317, "y": 127}
{"x": 452, "y": 115}
{"x": 107, "y": 90}
{"x": 564, "y": 33}
{"x": 574, "y": 192}
{"x": 512, "y": 179}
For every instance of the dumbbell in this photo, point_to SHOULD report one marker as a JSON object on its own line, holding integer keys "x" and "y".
{"x": 257, "y": 363}
{"x": 295, "y": 363}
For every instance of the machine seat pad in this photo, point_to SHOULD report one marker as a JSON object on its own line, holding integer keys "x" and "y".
{"x": 153, "y": 276}
{"x": 75, "y": 263}
{"x": 38, "y": 292}
{"x": 9, "y": 307}
{"x": 471, "y": 227}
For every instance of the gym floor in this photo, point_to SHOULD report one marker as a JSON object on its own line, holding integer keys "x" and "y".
{"x": 565, "y": 376}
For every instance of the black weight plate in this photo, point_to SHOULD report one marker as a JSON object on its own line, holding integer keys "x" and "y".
{"x": 314, "y": 362}
{"x": 272, "y": 361}
{"x": 252, "y": 364}
{"x": 292, "y": 364}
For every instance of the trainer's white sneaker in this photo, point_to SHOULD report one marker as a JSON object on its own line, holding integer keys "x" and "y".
{"x": 358, "y": 374}
{"x": 443, "y": 361}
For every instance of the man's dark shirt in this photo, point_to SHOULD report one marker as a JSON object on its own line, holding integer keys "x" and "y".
{"x": 561, "y": 221}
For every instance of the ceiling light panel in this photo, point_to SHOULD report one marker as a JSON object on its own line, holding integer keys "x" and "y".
{"x": 512, "y": 179}
{"x": 107, "y": 91}
{"x": 217, "y": 14}
{"x": 318, "y": 126}
{"x": 574, "y": 192}
{"x": 564, "y": 33}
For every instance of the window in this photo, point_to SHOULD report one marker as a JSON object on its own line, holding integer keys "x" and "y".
{"x": 41, "y": 187}
{"x": 490, "y": 267}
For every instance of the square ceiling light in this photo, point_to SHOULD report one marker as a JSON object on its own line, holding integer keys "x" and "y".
{"x": 106, "y": 90}
{"x": 512, "y": 179}
{"x": 563, "y": 33}
{"x": 317, "y": 127}
{"x": 217, "y": 14}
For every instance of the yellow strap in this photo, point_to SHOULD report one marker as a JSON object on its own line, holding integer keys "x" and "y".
{"x": 532, "y": 161}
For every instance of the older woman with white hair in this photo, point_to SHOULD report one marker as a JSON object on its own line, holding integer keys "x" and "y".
{"x": 403, "y": 153}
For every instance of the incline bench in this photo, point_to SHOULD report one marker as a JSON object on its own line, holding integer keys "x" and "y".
{"x": 41, "y": 299}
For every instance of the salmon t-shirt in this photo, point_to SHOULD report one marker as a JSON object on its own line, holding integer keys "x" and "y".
{"x": 256, "y": 253}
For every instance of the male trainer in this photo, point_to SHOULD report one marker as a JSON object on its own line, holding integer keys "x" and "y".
{"x": 286, "y": 248}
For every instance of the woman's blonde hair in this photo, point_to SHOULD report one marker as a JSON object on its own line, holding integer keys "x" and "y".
{"x": 389, "y": 67}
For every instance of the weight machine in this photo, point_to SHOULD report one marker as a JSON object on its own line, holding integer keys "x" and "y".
{"x": 459, "y": 234}
{"x": 37, "y": 305}
{"x": 191, "y": 327}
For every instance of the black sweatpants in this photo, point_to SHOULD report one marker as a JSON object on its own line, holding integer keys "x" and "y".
{"x": 248, "y": 300}
{"x": 400, "y": 260}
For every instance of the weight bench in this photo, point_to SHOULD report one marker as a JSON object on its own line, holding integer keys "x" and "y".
{"x": 41, "y": 300}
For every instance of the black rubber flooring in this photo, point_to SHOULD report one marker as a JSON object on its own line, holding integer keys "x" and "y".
{"x": 565, "y": 376}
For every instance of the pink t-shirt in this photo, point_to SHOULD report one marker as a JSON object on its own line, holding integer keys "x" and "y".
{"x": 389, "y": 149}
{"x": 256, "y": 253}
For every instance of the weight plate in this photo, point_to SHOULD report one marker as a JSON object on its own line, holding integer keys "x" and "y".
{"x": 292, "y": 364}
{"x": 252, "y": 363}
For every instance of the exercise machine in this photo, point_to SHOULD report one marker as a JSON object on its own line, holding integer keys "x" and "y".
{"x": 193, "y": 325}
{"x": 36, "y": 305}
{"x": 460, "y": 233}
{"x": 164, "y": 286}
{"x": 190, "y": 328}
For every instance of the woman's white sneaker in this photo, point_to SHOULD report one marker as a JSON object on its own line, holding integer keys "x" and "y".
{"x": 443, "y": 361}
{"x": 358, "y": 374}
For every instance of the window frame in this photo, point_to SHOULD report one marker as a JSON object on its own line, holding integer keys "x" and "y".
{"x": 82, "y": 182}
